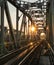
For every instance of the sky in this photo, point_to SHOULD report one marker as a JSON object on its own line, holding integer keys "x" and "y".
{"x": 30, "y": 0}
{"x": 12, "y": 10}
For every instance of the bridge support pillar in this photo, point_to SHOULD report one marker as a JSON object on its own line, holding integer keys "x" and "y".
{"x": 50, "y": 21}
{"x": 2, "y": 46}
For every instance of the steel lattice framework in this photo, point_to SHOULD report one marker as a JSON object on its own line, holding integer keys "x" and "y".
{"x": 36, "y": 12}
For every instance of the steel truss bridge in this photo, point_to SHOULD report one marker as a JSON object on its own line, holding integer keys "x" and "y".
{"x": 25, "y": 46}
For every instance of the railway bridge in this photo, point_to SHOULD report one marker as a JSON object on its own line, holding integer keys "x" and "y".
{"x": 26, "y": 32}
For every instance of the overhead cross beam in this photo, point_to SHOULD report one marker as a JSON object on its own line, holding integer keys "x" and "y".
{"x": 22, "y": 9}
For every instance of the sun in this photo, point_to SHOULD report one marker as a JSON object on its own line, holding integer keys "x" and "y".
{"x": 32, "y": 28}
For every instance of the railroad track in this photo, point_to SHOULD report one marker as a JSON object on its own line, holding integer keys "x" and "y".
{"x": 32, "y": 58}
{"x": 4, "y": 59}
{"x": 23, "y": 57}
{"x": 29, "y": 55}
{"x": 16, "y": 55}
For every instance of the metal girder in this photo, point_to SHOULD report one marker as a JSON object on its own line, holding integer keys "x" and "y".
{"x": 24, "y": 17}
{"x": 10, "y": 23}
{"x": 26, "y": 6}
{"x": 20, "y": 8}
{"x": 33, "y": 4}
{"x": 23, "y": 6}
{"x": 21, "y": 28}
{"x": 28, "y": 28}
{"x": 2, "y": 28}
{"x": 21, "y": 25}
{"x": 1, "y": 1}
{"x": 17, "y": 20}
{"x": 50, "y": 21}
{"x": 2, "y": 22}
{"x": 40, "y": 5}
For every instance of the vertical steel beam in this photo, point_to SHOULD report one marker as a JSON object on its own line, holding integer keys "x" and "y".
{"x": 3, "y": 49}
{"x": 21, "y": 26}
{"x": 50, "y": 20}
{"x": 20, "y": 31}
{"x": 28, "y": 28}
{"x": 24, "y": 20}
{"x": 50, "y": 24}
{"x": 2, "y": 22}
{"x": 16, "y": 24}
{"x": 2, "y": 26}
{"x": 31, "y": 31}
{"x": 10, "y": 23}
